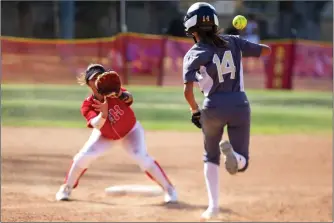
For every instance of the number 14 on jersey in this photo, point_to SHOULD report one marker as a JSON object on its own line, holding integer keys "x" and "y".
{"x": 224, "y": 67}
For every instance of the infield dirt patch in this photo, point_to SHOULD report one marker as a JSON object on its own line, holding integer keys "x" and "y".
{"x": 289, "y": 179}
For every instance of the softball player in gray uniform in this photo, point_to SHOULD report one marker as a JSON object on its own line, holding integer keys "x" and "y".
{"x": 215, "y": 63}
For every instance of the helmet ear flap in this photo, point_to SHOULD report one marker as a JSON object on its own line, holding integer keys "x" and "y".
{"x": 190, "y": 31}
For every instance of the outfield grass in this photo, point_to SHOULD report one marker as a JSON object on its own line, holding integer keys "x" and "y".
{"x": 165, "y": 108}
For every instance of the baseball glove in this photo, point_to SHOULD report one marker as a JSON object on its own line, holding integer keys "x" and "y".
{"x": 195, "y": 119}
{"x": 108, "y": 84}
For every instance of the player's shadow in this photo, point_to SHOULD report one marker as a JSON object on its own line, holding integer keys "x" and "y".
{"x": 131, "y": 168}
{"x": 181, "y": 205}
{"x": 90, "y": 202}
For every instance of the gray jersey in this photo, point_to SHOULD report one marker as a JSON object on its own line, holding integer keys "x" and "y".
{"x": 218, "y": 70}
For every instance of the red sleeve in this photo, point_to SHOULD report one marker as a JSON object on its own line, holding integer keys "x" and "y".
{"x": 88, "y": 112}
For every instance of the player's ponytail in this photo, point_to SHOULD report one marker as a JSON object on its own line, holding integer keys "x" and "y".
{"x": 212, "y": 37}
{"x": 81, "y": 79}
{"x": 217, "y": 40}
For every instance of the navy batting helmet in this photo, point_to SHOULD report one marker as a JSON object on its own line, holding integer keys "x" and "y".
{"x": 201, "y": 16}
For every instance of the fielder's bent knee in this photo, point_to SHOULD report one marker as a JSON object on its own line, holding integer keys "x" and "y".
{"x": 144, "y": 161}
{"x": 83, "y": 160}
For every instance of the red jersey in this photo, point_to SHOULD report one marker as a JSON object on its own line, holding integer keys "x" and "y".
{"x": 121, "y": 118}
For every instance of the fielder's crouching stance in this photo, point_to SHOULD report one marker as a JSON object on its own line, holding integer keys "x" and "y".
{"x": 111, "y": 118}
{"x": 215, "y": 62}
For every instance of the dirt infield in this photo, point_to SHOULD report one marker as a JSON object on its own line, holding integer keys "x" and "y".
{"x": 289, "y": 179}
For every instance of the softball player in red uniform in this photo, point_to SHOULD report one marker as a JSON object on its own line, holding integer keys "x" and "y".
{"x": 112, "y": 119}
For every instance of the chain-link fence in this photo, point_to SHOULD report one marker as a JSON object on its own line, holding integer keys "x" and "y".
{"x": 310, "y": 20}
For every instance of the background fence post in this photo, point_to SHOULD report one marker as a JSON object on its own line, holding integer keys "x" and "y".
{"x": 67, "y": 19}
{"x": 161, "y": 73}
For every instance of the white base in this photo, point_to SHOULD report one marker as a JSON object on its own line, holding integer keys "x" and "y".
{"x": 134, "y": 189}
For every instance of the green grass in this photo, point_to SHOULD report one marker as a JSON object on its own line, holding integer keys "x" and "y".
{"x": 273, "y": 112}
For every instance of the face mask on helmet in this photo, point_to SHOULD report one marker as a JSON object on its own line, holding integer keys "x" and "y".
{"x": 200, "y": 16}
